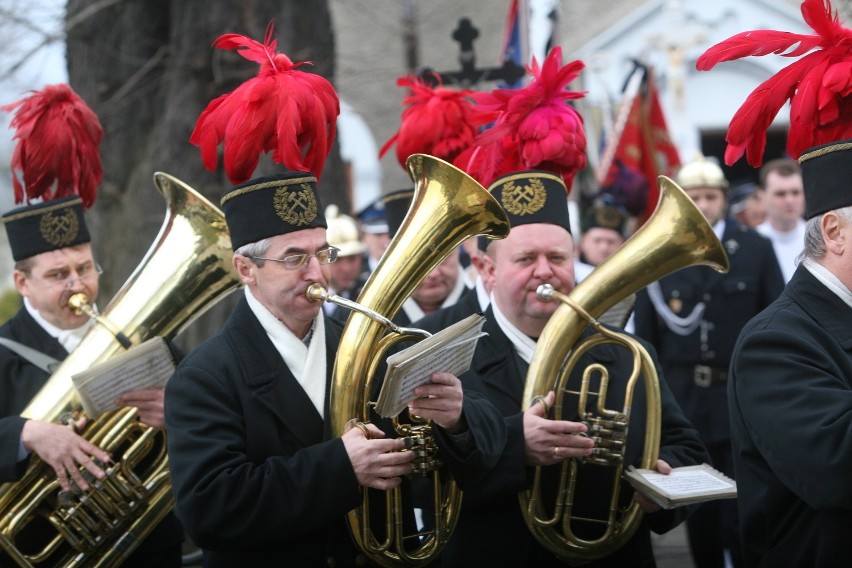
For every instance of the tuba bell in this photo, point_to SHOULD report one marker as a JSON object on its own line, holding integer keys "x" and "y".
{"x": 448, "y": 207}
{"x": 185, "y": 271}
{"x": 676, "y": 236}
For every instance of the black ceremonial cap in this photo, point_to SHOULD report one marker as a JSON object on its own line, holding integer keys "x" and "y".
{"x": 45, "y": 227}
{"x": 532, "y": 196}
{"x": 265, "y": 207}
{"x": 605, "y": 217}
{"x": 397, "y": 204}
{"x": 826, "y": 175}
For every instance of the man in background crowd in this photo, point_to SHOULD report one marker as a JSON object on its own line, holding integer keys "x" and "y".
{"x": 442, "y": 287}
{"x": 374, "y": 235}
{"x": 603, "y": 233}
{"x": 783, "y": 196}
{"x": 745, "y": 204}
{"x": 346, "y": 270}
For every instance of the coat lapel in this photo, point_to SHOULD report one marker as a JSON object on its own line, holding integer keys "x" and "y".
{"x": 494, "y": 361}
{"x": 270, "y": 381}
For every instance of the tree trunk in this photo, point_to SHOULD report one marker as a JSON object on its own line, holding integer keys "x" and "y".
{"x": 147, "y": 68}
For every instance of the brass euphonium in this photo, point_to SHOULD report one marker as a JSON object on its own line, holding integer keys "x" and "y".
{"x": 676, "y": 236}
{"x": 185, "y": 271}
{"x": 448, "y": 207}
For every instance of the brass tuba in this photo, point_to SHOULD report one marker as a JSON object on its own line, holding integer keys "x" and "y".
{"x": 185, "y": 271}
{"x": 676, "y": 236}
{"x": 448, "y": 207}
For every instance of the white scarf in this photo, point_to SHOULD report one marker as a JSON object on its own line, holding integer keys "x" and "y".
{"x": 306, "y": 362}
{"x": 413, "y": 311}
{"x": 524, "y": 344}
{"x": 831, "y": 281}
{"x": 68, "y": 338}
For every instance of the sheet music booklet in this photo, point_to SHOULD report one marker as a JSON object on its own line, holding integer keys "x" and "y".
{"x": 683, "y": 486}
{"x": 449, "y": 350}
{"x": 145, "y": 366}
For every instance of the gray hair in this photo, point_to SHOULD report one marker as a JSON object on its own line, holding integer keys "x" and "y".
{"x": 814, "y": 243}
{"x": 257, "y": 248}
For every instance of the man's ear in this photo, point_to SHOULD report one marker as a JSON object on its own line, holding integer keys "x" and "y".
{"x": 244, "y": 265}
{"x": 22, "y": 283}
{"x": 832, "y": 233}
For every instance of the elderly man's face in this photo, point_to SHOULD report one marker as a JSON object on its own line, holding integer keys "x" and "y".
{"x": 55, "y": 276}
{"x": 532, "y": 254}
{"x": 282, "y": 291}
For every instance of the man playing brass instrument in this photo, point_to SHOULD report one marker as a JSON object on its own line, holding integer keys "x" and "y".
{"x": 53, "y": 257}
{"x": 259, "y": 477}
{"x": 256, "y": 473}
{"x": 540, "y": 250}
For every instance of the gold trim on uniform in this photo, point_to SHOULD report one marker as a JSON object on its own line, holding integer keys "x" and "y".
{"x": 42, "y": 210}
{"x": 298, "y": 208}
{"x": 278, "y": 183}
{"x": 825, "y": 150}
{"x": 523, "y": 200}
{"x": 59, "y": 229}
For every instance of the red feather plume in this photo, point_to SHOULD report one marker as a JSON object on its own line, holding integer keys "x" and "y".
{"x": 291, "y": 113}
{"x": 535, "y": 128}
{"x": 57, "y": 152}
{"x": 818, "y": 85}
{"x": 437, "y": 121}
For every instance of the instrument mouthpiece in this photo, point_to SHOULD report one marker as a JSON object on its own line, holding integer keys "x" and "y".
{"x": 316, "y": 293}
{"x": 545, "y": 292}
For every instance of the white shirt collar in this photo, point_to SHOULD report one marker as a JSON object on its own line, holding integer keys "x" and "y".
{"x": 68, "y": 338}
{"x": 524, "y": 344}
{"x": 830, "y": 281}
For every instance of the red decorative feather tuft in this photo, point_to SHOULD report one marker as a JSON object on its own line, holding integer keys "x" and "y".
{"x": 535, "y": 127}
{"x": 437, "y": 121}
{"x": 291, "y": 113}
{"x": 818, "y": 85}
{"x": 57, "y": 152}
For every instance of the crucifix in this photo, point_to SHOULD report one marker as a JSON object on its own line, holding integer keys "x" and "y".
{"x": 468, "y": 76}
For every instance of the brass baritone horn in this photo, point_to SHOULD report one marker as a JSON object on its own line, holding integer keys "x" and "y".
{"x": 185, "y": 271}
{"x": 676, "y": 236}
{"x": 448, "y": 207}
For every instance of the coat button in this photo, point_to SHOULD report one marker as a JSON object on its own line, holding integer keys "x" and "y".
{"x": 330, "y": 562}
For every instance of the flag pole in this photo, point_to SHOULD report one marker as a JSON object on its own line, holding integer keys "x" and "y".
{"x": 631, "y": 91}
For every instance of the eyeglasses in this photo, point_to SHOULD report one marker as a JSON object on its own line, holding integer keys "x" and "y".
{"x": 65, "y": 278}
{"x": 296, "y": 261}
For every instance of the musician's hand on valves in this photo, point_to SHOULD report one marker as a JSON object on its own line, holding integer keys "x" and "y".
{"x": 440, "y": 401}
{"x": 647, "y": 504}
{"x": 149, "y": 403}
{"x": 546, "y": 441}
{"x": 378, "y": 462}
{"x": 64, "y": 450}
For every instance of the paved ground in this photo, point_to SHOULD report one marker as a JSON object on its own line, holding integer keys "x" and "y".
{"x": 671, "y": 549}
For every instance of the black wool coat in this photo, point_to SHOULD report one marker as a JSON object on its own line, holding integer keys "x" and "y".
{"x": 790, "y": 396}
{"x": 258, "y": 478}
{"x": 491, "y": 528}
